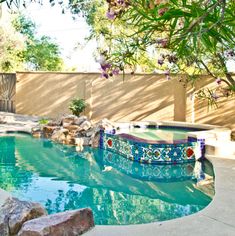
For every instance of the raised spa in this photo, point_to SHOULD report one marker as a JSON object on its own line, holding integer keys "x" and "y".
{"x": 153, "y": 144}
{"x": 119, "y": 191}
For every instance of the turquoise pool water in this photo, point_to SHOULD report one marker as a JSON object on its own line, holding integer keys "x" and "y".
{"x": 158, "y": 134}
{"x": 118, "y": 191}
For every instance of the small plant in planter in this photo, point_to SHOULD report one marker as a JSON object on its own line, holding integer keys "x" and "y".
{"x": 77, "y": 106}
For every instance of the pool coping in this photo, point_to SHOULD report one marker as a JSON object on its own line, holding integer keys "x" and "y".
{"x": 218, "y": 218}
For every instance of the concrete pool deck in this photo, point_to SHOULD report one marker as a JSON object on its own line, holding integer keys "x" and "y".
{"x": 216, "y": 219}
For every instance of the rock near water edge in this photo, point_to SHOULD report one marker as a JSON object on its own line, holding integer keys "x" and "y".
{"x": 14, "y": 213}
{"x": 70, "y": 223}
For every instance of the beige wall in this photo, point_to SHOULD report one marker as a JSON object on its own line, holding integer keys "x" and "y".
{"x": 138, "y": 97}
{"x": 48, "y": 94}
{"x": 223, "y": 115}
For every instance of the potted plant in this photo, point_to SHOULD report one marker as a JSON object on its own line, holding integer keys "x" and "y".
{"x": 77, "y": 106}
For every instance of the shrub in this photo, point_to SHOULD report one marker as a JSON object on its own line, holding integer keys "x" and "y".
{"x": 77, "y": 106}
{"x": 43, "y": 121}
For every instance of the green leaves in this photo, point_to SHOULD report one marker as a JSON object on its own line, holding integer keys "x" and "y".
{"x": 40, "y": 52}
{"x": 77, "y": 106}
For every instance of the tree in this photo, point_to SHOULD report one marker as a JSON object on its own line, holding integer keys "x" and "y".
{"x": 11, "y": 46}
{"x": 41, "y": 53}
{"x": 193, "y": 37}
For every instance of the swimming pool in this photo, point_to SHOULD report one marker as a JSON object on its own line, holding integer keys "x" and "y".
{"x": 118, "y": 191}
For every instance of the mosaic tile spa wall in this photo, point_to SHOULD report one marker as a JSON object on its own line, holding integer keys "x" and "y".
{"x": 151, "y": 153}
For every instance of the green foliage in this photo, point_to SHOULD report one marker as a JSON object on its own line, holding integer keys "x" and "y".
{"x": 11, "y": 46}
{"x": 41, "y": 53}
{"x": 43, "y": 121}
{"x": 190, "y": 37}
{"x": 77, "y": 106}
{"x": 24, "y": 26}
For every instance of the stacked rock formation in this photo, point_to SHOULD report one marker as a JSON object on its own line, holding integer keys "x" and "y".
{"x": 73, "y": 130}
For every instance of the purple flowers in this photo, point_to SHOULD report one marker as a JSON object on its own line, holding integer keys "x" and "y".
{"x": 230, "y": 53}
{"x": 105, "y": 66}
{"x": 116, "y": 7}
{"x": 162, "y": 42}
{"x": 218, "y": 81}
{"x": 104, "y": 75}
{"x": 110, "y": 14}
{"x": 162, "y": 11}
{"x": 108, "y": 69}
{"x": 116, "y": 71}
{"x": 121, "y": 2}
{"x": 160, "y": 61}
{"x": 214, "y": 96}
{"x": 167, "y": 73}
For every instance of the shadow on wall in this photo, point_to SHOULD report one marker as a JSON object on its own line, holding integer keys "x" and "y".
{"x": 48, "y": 94}
{"x": 224, "y": 115}
{"x": 138, "y": 97}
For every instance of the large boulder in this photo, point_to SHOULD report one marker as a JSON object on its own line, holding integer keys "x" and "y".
{"x": 74, "y": 128}
{"x": 70, "y": 140}
{"x": 14, "y": 213}
{"x": 70, "y": 223}
{"x": 83, "y": 141}
{"x": 54, "y": 123}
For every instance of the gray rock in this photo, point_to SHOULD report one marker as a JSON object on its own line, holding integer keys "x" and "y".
{"x": 48, "y": 130}
{"x": 83, "y": 141}
{"x": 85, "y": 125}
{"x": 4, "y": 229}
{"x": 95, "y": 141}
{"x": 54, "y": 123}
{"x": 70, "y": 223}
{"x": 59, "y": 135}
{"x": 90, "y": 132}
{"x": 106, "y": 124}
{"x": 14, "y": 213}
{"x": 36, "y": 128}
{"x": 86, "y": 141}
{"x": 79, "y": 120}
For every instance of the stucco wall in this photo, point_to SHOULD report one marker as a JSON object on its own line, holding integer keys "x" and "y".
{"x": 48, "y": 94}
{"x": 137, "y": 97}
{"x": 223, "y": 115}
